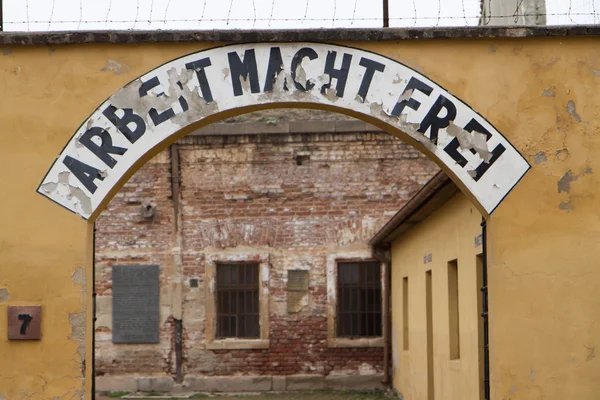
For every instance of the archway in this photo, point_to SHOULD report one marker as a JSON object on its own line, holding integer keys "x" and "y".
{"x": 156, "y": 109}
{"x": 297, "y": 190}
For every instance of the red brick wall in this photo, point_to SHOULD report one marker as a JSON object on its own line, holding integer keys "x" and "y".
{"x": 298, "y": 346}
{"x": 248, "y": 193}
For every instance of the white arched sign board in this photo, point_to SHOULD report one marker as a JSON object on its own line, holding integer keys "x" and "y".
{"x": 159, "y": 104}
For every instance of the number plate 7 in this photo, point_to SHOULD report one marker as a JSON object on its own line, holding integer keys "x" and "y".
{"x": 24, "y": 322}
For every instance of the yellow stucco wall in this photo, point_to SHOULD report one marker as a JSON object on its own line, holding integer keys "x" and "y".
{"x": 448, "y": 234}
{"x": 543, "y": 254}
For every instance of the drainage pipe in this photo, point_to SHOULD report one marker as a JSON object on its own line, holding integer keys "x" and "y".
{"x": 178, "y": 262}
{"x": 386, "y": 322}
{"x": 485, "y": 314}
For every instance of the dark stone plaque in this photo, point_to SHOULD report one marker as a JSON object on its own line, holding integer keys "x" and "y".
{"x": 135, "y": 303}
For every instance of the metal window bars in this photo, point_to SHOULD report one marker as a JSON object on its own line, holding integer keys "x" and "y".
{"x": 359, "y": 312}
{"x": 237, "y": 301}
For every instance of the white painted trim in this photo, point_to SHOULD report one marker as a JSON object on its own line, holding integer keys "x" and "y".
{"x": 264, "y": 266}
{"x": 331, "y": 270}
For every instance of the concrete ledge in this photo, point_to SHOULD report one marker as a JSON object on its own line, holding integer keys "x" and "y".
{"x": 134, "y": 384}
{"x": 194, "y": 383}
{"x": 161, "y": 384}
{"x": 227, "y": 383}
{"x": 239, "y": 384}
{"x": 304, "y": 382}
{"x": 278, "y": 383}
{"x": 116, "y": 384}
{"x": 354, "y": 382}
{"x": 292, "y": 35}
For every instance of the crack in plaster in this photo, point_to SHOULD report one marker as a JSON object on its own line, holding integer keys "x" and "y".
{"x": 592, "y": 353}
{"x": 571, "y": 109}
{"x": 562, "y": 154}
{"x": 77, "y": 321}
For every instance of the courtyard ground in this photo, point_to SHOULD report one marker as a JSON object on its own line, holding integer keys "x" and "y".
{"x": 320, "y": 395}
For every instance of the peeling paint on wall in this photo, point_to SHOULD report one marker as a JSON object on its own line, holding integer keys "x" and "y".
{"x": 549, "y": 93}
{"x": 116, "y": 67}
{"x": 471, "y": 140}
{"x": 564, "y": 183}
{"x": 78, "y": 277}
{"x": 571, "y": 109}
{"x": 540, "y": 158}
{"x": 4, "y": 296}
{"x": 77, "y": 321}
{"x": 159, "y": 104}
{"x": 71, "y": 193}
{"x": 567, "y": 206}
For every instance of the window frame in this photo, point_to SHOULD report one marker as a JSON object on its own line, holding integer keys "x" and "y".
{"x": 360, "y": 285}
{"x": 232, "y": 343}
{"x": 332, "y": 299}
{"x": 236, "y": 290}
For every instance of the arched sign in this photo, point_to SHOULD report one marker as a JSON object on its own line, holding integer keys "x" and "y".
{"x": 159, "y": 104}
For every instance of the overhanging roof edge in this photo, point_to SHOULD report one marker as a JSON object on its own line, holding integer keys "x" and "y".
{"x": 291, "y": 35}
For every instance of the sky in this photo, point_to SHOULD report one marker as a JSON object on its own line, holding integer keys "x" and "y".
{"x": 61, "y": 15}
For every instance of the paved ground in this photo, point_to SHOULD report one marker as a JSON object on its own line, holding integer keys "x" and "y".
{"x": 273, "y": 396}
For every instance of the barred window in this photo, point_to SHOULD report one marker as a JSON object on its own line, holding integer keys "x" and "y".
{"x": 359, "y": 299}
{"x": 237, "y": 300}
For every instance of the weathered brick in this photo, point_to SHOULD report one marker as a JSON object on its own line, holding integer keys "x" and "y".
{"x": 248, "y": 192}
